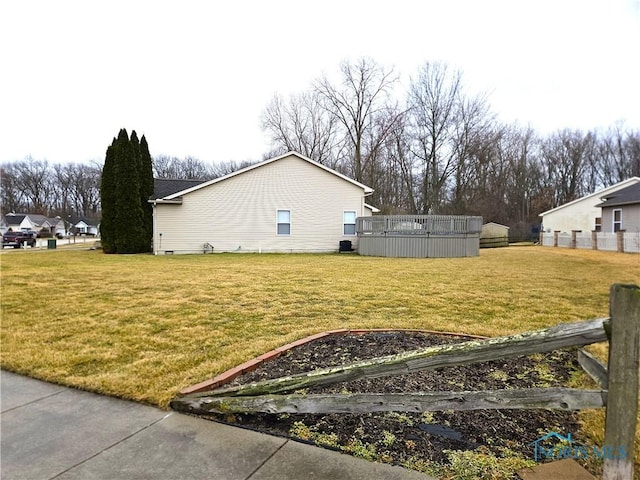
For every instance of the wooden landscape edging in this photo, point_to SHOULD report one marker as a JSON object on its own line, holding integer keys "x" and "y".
{"x": 560, "y": 336}
{"x": 249, "y": 366}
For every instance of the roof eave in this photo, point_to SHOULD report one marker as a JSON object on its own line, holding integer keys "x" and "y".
{"x": 170, "y": 201}
{"x": 367, "y": 190}
{"x": 618, "y": 204}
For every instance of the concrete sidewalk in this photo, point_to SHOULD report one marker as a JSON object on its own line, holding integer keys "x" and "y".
{"x": 49, "y": 431}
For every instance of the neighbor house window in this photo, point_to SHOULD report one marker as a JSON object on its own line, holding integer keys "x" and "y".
{"x": 598, "y": 224}
{"x": 284, "y": 222}
{"x": 617, "y": 220}
{"x": 349, "y": 223}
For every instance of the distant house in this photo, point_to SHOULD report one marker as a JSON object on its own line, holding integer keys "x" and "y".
{"x": 621, "y": 210}
{"x": 4, "y": 226}
{"x": 39, "y": 223}
{"x": 48, "y": 226}
{"x": 20, "y": 221}
{"x": 583, "y": 214}
{"x": 494, "y": 235}
{"x": 288, "y": 203}
{"x": 82, "y": 226}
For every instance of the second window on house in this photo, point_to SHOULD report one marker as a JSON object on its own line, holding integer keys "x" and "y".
{"x": 284, "y": 222}
{"x": 617, "y": 220}
{"x": 349, "y": 223}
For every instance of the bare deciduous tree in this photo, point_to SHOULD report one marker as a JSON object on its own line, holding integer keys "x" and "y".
{"x": 35, "y": 182}
{"x": 616, "y": 155}
{"x": 165, "y": 166}
{"x": 11, "y": 193}
{"x": 564, "y": 157}
{"x": 361, "y": 105}
{"x": 435, "y": 98}
{"x": 301, "y": 124}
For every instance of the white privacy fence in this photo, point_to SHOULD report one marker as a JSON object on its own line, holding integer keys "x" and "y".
{"x": 613, "y": 242}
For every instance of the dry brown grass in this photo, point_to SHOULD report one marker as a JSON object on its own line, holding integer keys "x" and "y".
{"x": 143, "y": 327}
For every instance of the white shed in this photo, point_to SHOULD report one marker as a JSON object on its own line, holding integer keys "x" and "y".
{"x": 288, "y": 203}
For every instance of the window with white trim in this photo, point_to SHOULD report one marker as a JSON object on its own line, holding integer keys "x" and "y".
{"x": 349, "y": 222}
{"x": 284, "y": 222}
{"x": 617, "y": 220}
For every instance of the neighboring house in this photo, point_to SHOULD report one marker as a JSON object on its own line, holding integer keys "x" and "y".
{"x": 583, "y": 214}
{"x": 494, "y": 235}
{"x": 54, "y": 226}
{"x": 19, "y": 221}
{"x": 57, "y": 227}
{"x": 4, "y": 226}
{"x": 82, "y": 226}
{"x": 35, "y": 222}
{"x": 288, "y": 203}
{"x": 621, "y": 210}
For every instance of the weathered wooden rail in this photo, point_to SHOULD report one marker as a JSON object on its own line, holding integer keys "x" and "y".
{"x": 566, "y": 335}
{"x": 553, "y": 398}
{"x": 621, "y": 379}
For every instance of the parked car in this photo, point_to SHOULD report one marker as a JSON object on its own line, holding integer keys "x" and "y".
{"x": 19, "y": 239}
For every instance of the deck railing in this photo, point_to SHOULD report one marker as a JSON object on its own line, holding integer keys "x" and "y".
{"x": 418, "y": 225}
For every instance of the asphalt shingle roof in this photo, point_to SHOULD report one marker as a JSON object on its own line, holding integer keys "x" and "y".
{"x": 624, "y": 196}
{"x": 163, "y": 187}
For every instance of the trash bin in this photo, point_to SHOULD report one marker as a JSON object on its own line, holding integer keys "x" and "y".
{"x": 51, "y": 243}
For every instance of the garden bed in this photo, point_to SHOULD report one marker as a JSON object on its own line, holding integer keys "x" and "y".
{"x": 434, "y": 442}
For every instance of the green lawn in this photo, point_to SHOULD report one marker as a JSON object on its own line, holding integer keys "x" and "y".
{"x": 143, "y": 327}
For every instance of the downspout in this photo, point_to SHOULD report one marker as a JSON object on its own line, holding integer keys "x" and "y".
{"x": 362, "y": 207}
{"x": 155, "y": 227}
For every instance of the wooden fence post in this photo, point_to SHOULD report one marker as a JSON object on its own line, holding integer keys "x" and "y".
{"x": 622, "y": 403}
{"x": 620, "y": 240}
{"x": 574, "y": 238}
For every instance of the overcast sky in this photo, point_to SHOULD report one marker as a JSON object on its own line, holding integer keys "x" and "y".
{"x": 194, "y": 76}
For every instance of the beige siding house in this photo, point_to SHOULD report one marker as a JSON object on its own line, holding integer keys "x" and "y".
{"x": 583, "y": 214}
{"x": 286, "y": 204}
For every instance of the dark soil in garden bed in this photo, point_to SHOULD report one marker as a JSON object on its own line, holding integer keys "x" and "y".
{"x": 411, "y": 438}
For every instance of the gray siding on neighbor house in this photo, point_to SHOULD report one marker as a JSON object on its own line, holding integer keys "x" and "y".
{"x": 240, "y": 212}
{"x": 630, "y": 218}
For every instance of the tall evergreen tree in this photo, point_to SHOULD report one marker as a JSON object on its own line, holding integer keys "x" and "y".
{"x": 107, "y": 199}
{"x": 146, "y": 190}
{"x": 124, "y": 179}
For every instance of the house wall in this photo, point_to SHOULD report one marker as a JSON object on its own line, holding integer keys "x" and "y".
{"x": 25, "y": 224}
{"x": 630, "y": 218}
{"x": 577, "y": 216}
{"x": 240, "y": 213}
{"x": 580, "y": 214}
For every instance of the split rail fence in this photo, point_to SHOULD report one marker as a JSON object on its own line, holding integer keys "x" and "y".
{"x": 618, "y": 382}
